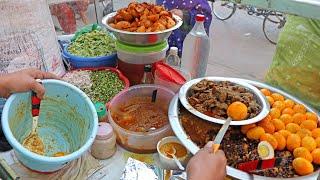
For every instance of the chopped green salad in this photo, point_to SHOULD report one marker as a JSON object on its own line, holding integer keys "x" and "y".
{"x": 93, "y": 44}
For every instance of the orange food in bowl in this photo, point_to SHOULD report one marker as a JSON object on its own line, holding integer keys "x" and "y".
{"x": 288, "y": 111}
{"x": 270, "y": 139}
{"x": 245, "y": 128}
{"x": 293, "y": 142}
{"x": 292, "y": 127}
{"x": 302, "y": 166}
{"x": 298, "y": 118}
{"x": 316, "y": 156}
{"x": 303, "y": 153}
{"x": 289, "y": 103}
{"x": 282, "y": 142}
{"x": 277, "y": 97}
{"x": 299, "y": 108}
{"x": 270, "y": 100}
{"x": 316, "y": 133}
{"x": 279, "y": 105}
{"x": 318, "y": 142}
{"x": 285, "y": 133}
{"x": 266, "y": 92}
{"x": 309, "y": 143}
{"x": 308, "y": 124}
{"x": 237, "y": 111}
{"x": 312, "y": 116}
{"x": 255, "y": 133}
{"x": 278, "y": 124}
{"x": 286, "y": 118}
{"x": 275, "y": 113}
{"x": 303, "y": 133}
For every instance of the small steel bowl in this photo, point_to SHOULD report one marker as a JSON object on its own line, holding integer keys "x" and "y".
{"x": 138, "y": 38}
{"x": 261, "y": 100}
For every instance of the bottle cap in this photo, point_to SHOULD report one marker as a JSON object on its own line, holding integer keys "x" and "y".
{"x": 147, "y": 68}
{"x": 101, "y": 109}
{"x": 174, "y": 50}
{"x": 200, "y": 17}
{"x": 105, "y": 131}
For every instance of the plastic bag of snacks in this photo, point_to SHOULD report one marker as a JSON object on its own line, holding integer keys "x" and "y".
{"x": 27, "y": 37}
{"x": 296, "y": 64}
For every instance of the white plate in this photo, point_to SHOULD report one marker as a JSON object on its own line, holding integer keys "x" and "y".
{"x": 261, "y": 100}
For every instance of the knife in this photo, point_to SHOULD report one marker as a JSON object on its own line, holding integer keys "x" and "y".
{"x": 220, "y": 135}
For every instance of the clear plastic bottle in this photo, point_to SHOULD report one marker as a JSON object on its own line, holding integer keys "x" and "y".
{"x": 147, "y": 76}
{"x": 173, "y": 59}
{"x": 196, "y": 47}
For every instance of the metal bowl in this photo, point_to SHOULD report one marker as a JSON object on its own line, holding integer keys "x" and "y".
{"x": 261, "y": 100}
{"x": 193, "y": 148}
{"x": 138, "y": 38}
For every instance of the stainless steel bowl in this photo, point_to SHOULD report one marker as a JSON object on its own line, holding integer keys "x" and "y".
{"x": 193, "y": 148}
{"x": 138, "y": 38}
{"x": 261, "y": 100}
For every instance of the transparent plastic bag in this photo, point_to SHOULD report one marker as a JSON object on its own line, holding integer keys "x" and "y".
{"x": 27, "y": 37}
{"x": 296, "y": 64}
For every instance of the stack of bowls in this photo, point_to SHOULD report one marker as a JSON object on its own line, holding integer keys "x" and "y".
{"x": 137, "y": 49}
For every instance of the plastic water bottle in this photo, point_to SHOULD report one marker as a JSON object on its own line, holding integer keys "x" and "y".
{"x": 173, "y": 58}
{"x": 196, "y": 47}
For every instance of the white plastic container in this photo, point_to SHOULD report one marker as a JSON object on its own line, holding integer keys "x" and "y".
{"x": 104, "y": 146}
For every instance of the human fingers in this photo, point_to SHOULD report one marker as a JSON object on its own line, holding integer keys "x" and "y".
{"x": 38, "y": 89}
{"x": 37, "y": 74}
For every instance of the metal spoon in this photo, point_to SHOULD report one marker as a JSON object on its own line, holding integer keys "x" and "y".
{"x": 172, "y": 154}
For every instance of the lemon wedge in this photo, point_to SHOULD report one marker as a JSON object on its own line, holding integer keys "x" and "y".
{"x": 265, "y": 150}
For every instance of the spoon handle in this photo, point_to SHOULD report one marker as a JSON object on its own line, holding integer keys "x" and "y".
{"x": 35, "y": 101}
{"x": 178, "y": 163}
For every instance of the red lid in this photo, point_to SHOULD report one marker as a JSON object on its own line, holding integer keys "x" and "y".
{"x": 169, "y": 74}
{"x": 200, "y": 17}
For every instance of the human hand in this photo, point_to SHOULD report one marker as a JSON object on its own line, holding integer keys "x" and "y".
{"x": 22, "y": 81}
{"x": 206, "y": 165}
{"x": 177, "y": 12}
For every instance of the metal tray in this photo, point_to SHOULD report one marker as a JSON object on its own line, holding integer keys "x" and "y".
{"x": 140, "y": 38}
{"x": 262, "y": 101}
{"x": 193, "y": 148}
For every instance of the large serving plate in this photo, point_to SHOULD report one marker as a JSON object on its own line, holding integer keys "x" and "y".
{"x": 139, "y": 38}
{"x": 261, "y": 100}
{"x": 193, "y": 148}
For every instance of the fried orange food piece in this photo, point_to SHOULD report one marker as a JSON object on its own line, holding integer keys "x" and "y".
{"x": 270, "y": 139}
{"x": 266, "y": 92}
{"x": 299, "y": 108}
{"x": 289, "y": 103}
{"x": 270, "y": 100}
{"x": 302, "y": 166}
{"x": 275, "y": 113}
{"x": 245, "y": 128}
{"x": 303, "y": 153}
{"x": 316, "y": 156}
{"x": 316, "y": 133}
{"x": 278, "y": 124}
{"x": 267, "y": 125}
{"x": 285, "y": 133}
{"x": 298, "y": 118}
{"x": 282, "y": 142}
{"x": 255, "y": 133}
{"x": 312, "y": 116}
{"x": 277, "y": 97}
{"x": 309, "y": 143}
{"x": 293, "y": 142}
{"x": 286, "y": 118}
{"x": 318, "y": 142}
{"x": 304, "y": 132}
{"x": 292, "y": 127}
{"x": 279, "y": 105}
{"x": 237, "y": 111}
{"x": 308, "y": 124}
{"x": 288, "y": 111}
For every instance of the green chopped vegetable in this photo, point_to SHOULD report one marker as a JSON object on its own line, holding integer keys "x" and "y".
{"x": 105, "y": 85}
{"x": 93, "y": 44}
